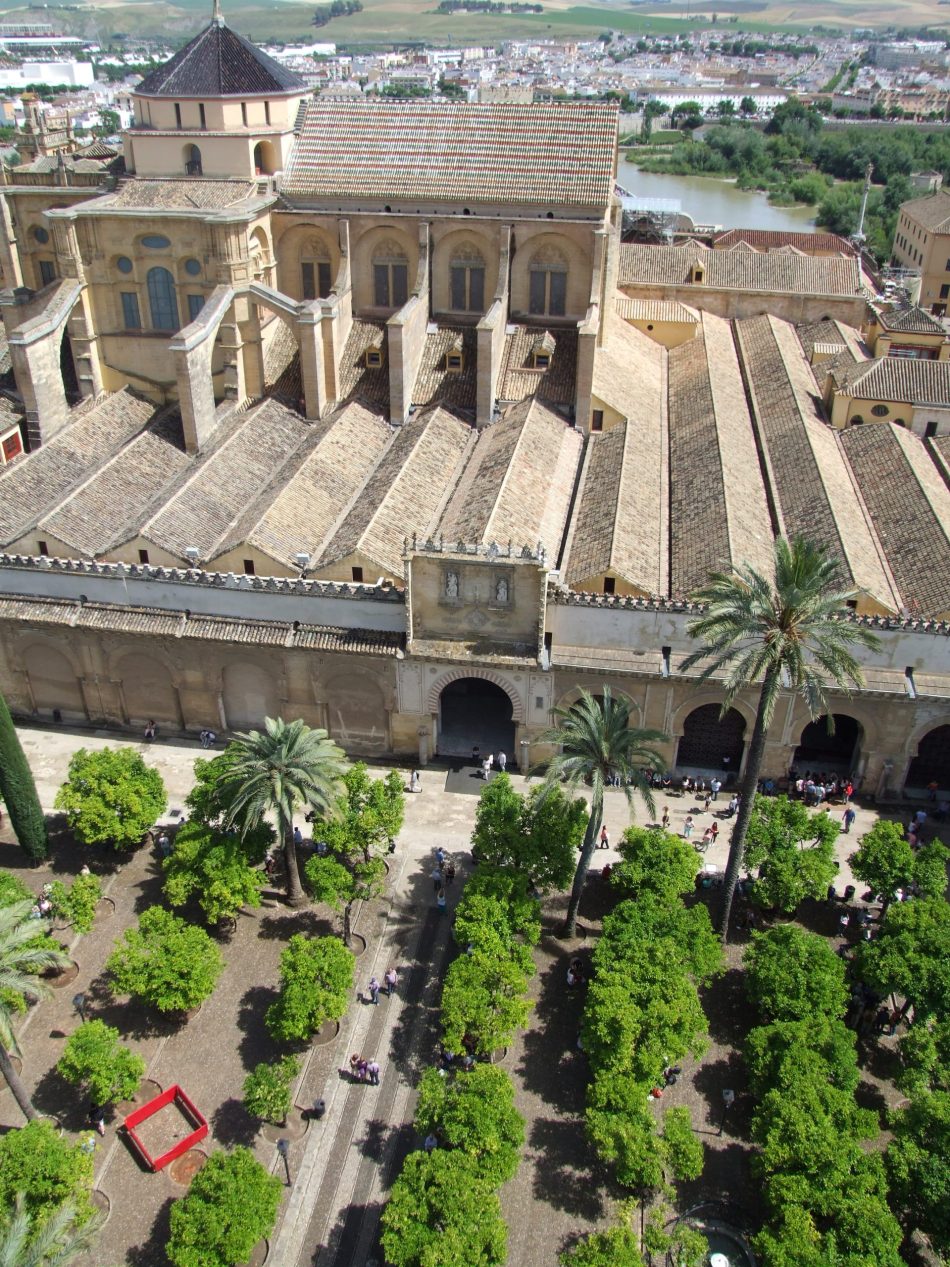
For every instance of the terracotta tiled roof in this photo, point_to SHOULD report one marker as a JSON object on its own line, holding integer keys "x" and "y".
{"x": 930, "y": 212}
{"x": 33, "y": 486}
{"x": 773, "y": 239}
{"x": 909, "y": 505}
{"x": 355, "y": 379}
{"x": 811, "y": 482}
{"x": 718, "y": 509}
{"x": 739, "y": 270}
{"x": 901, "y": 379}
{"x": 555, "y": 154}
{"x": 434, "y": 384}
{"x": 145, "y": 620}
{"x": 913, "y": 320}
{"x": 628, "y": 372}
{"x": 405, "y": 492}
{"x": 337, "y": 459}
{"x": 654, "y": 310}
{"x": 518, "y": 378}
{"x": 220, "y": 63}
{"x": 518, "y": 481}
{"x": 203, "y": 195}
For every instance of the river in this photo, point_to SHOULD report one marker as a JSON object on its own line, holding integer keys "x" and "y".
{"x": 711, "y": 201}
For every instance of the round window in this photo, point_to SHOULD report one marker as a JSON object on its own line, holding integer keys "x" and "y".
{"x": 124, "y": 264}
{"x": 156, "y": 241}
{"x": 192, "y": 267}
{"x": 41, "y": 234}
{"x": 880, "y": 411}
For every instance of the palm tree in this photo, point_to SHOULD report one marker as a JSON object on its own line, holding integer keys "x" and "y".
{"x": 287, "y": 767}
{"x": 24, "y": 954}
{"x": 596, "y": 741}
{"x": 793, "y": 634}
{"x": 45, "y": 1240}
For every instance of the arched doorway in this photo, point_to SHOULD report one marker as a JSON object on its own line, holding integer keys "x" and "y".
{"x": 264, "y": 158}
{"x": 711, "y": 742}
{"x": 932, "y": 763}
{"x": 474, "y": 711}
{"x": 192, "y": 160}
{"x": 837, "y": 753}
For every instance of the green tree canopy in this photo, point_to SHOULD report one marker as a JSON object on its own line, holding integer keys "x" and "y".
{"x": 474, "y": 1112}
{"x": 884, "y": 861}
{"x": 537, "y": 835}
{"x": 77, "y": 903}
{"x": 794, "y": 851}
{"x": 47, "y": 1169}
{"x": 211, "y": 800}
{"x": 501, "y": 896}
{"x": 316, "y": 983}
{"x": 649, "y": 920}
{"x": 484, "y": 997}
{"x": 111, "y": 797}
{"x": 441, "y": 1211}
{"x": 655, "y": 861}
{"x": 778, "y": 1054}
{"x": 170, "y": 965}
{"x": 18, "y": 790}
{"x": 94, "y": 1058}
{"x": 617, "y": 1247}
{"x": 232, "y": 1203}
{"x": 918, "y": 1165}
{"x": 911, "y": 956}
{"x": 267, "y": 1089}
{"x": 215, "y": 867}
{"x": 794, "y": 975}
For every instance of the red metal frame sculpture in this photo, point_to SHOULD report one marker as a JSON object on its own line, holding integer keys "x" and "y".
{"x": 145, "y": 1111}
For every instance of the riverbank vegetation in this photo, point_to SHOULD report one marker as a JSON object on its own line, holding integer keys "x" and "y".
{"x": 798, "y": 159}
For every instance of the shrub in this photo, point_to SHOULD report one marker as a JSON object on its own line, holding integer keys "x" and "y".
{"x": 93, "y": 1057}
{"x": 267, "y": 1089}
{"x": 18, "y": 791}
{"x": 316, "y": 980}
{"x": 794, "y": 975}
{"x": 77, "y": 904}
{"x": 475, "y": 1113}
{"x": 231, "y": 1205}
{"x": 215, "y": 867}
{"x": 111, "y": 797}
{"x": 167, "y": 963}
{"x": 37, "y": 1161}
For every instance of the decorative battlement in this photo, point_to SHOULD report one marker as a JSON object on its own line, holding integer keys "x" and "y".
{"x": 629, "y": 602}
{"x": 491, "y": 551}
{"x": 310, "y": 588}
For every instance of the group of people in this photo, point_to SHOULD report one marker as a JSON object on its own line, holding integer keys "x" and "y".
{"x": 207, "y": 738}
{"x": 390, "y": 979}
{"x": 815, "y": 789}
{"x": 575, "y": 974}
{"x": 442, "y": 874}
{"x": 363, "y": 1070}
{"x": 486, "y": 763}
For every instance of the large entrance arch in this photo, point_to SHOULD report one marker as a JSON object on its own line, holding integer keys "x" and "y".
{"x": 474, "y": 711}
{"x": 932, "y": 763}
{"x": 711, "y": 742}
{"x": 837, "y": 753}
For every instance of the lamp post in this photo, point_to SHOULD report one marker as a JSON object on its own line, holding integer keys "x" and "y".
{"x": 79, "y": 1003}
{"x": 728, "y": 1099}
{"x": 283, "y": 1147}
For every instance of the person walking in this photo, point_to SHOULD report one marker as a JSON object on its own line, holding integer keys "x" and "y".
{"x": 847, "y": 818}
{"x": 391, "y": 978}
{"x": 440, "y": 901}
{"x": 665, "y": 820}
{"x": 714, "y": 786}
{"x": 374, "y": 991}
{"x": 714, "y": 831}
{"x": 97, "y": 1117}
{"x": 372, "y": 1069}
{"x": 688, "y": 827}
{"x": 436, "y": 877}
{"x": 502, "y": 762}
{"x": 604, "y": 838}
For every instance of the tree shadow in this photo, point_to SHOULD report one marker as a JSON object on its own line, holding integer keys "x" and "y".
{"x": 54, "y": 1095}
{"x": 283, "y": 925}
{"x": 131, "y": 1018}
{"x": 256, "y": 1045}
{"x": 347, "y": 1232}
{"x": 381, "y": 1138}
{"x": 726, "y": 1005}
{"x": 567, "y": 1175}
{"x": 709, "y": 1081}
{"x": 151, "y": 1252}
{"x": 726, "y": 1172}
{"x": 232, "y": 1125}
{"x": 551, "y": 1066}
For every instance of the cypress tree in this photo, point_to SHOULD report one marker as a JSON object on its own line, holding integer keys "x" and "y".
{"x": 19, "y": 791}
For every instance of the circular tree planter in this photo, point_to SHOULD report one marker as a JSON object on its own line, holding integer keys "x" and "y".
{"x": 325, "y": 1034}
{"x": 184, "y": 1168}
{"x": 295, "y": 1127}
{"x": 357, "y": 944}
{"x": 105, "y": 909}
{"x": 102, "y": 1203}
{"x": 66, "y": 976}
{"x": 259, "y": 1254}
{"x": 498, "y": 1055}
{"x": 148, "y": 1089}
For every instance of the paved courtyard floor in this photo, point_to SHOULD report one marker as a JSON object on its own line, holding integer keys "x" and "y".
{"x": 343, "y": 1164}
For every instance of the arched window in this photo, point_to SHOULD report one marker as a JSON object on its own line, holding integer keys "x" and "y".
{"x": 192, "y": 160}
{"x": 263, "y": 158}
{"x": 467, "y": 281}
{"x": 547, "y": 274}
{"x": 260, "y": 258}
{"x": 161, "y": 299}
{"x": 315, "y": 275}
{"x": 390, "y": 276}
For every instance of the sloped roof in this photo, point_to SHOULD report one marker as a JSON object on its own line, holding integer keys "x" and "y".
{"x": 903, "y": 379}
{"x": 775, "y": 239}
{"x": 552, "y": 154}
{"x": 519, "y": 379}
{"x": 739, "y": 270}
{"x": 654, "y": 310}
{"x": 913, "y": 320}
{"x": 930, "y": 212}
{"x": 220, "y": 63}
{"x": 173, "y": 195}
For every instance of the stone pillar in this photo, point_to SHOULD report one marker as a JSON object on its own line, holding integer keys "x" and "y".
{"x": 195, "y": 393}
{"x": 586, "y": 350}
{"x": 312, "y": 372}
{"x": 34, "y": 352}
{"x": 9, "y": 253}
{"x": 406, "y": 337}
{"x": 85, "y": 347}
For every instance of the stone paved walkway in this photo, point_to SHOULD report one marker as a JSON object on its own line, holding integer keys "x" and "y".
{"x": 343, "y": 1166}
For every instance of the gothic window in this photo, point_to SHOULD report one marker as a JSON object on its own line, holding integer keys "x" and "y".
{"x": 467, "y": 282}
{"x": 547, "y": 294}
{"x": 192, "y": 160}
{"x": 161, "y": 299}
{"x": 390, "y": 276}
{"x": 130, "y": 310}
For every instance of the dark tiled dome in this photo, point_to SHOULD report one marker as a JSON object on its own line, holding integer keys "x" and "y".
{"x": 219, "y": 63}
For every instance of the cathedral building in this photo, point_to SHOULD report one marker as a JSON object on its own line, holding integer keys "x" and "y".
{"x": 361, "y": 411}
